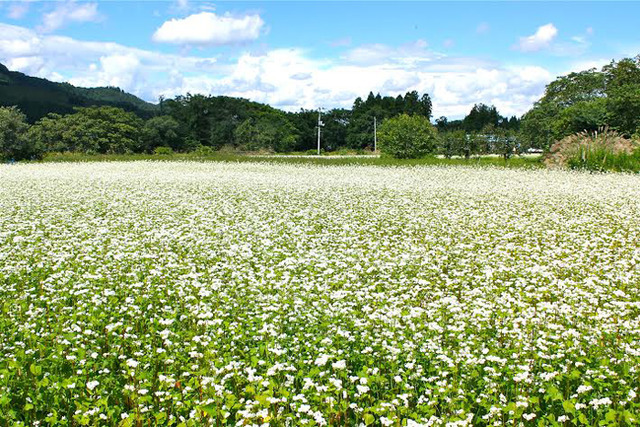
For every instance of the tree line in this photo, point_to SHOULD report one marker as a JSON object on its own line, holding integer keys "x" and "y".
{"x": 577, "y": 102}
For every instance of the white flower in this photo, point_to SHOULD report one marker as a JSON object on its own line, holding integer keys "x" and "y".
{"x": 92, "y": 384}
{"x": 340, "y": 364}
{"x": 321, "y": 360}
{"x": 584, "y": 388}
{"x": 386, "y": 421}
{"x": 362, "y": 389}
{"x": 304, "y": 408}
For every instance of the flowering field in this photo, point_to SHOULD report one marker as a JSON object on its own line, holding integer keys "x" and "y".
{"x": 143, "y": 294}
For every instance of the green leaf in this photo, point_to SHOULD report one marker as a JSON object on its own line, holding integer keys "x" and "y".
{"x": 35, "y": 369}
{"x": 583, "y": 419}
{"x": 369, "y": 419}
{"x": 210, "y": 410}
{"x": 569, "y": 407}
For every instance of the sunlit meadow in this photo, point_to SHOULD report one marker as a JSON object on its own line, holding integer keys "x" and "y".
{"x": 256, "y": 294}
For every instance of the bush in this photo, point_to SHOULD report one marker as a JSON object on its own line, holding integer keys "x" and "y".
{"x": 407, "y": 137}
{"x": 163, "y": 151}
{"x": 203, "y": 151}
{"x": 14, "y": 143}
{"x": 598, "y": 151}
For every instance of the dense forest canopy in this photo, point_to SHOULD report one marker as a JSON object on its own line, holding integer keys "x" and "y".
{"x": 108, "y": 120}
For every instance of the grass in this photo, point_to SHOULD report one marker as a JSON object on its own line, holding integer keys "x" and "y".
{"x": 600, "y": 160}
{"x": 516, "y": 162}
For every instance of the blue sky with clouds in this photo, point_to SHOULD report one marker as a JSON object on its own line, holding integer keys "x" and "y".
{"x": 309, "y": 54}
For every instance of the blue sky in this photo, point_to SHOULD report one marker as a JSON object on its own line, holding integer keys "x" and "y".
{"x": 319, "y": 54}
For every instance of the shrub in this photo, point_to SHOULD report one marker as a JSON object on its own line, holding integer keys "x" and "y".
{"x": 600, "y": 150}
{"x": 407, "y": 137}
{"x": 203, "y": 151}
{"x": 163, "y": 151}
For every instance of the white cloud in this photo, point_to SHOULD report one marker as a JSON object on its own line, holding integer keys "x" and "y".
{"x": 143, "y": 72}
{"x": 540, "y": 40}
{"x": 67, "y": 12}
{"x": 208, "y": 28}
{"x": 286, "y": 78}
{"x": 454, "y": 86}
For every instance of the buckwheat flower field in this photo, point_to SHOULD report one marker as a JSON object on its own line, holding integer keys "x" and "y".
{"x": 261, "y": 294}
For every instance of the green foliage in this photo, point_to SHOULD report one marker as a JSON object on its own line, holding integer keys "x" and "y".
{"x": 270, "y": 133}
{"x": 453, "y": 143}
{"x": 480, "y": 116}
{"x": 203, "y": 151}
{"x": 213, "y": 121}
{"x": 597, "y": 151}
{"x": 162, "y": 131}
{"x": 601, "y": 160}
{"x": 586, "y": 101}
{"x": 359, "y": 132}
{"x": 14, "y": 141}
{"x": 163, "y": 151}
{"x": 90, "y": 130}
{"x": 623, "y": 94}
{"x": 407, "y": 137}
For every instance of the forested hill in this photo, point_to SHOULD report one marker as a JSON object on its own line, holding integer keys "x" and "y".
{"x": 38, "y": 97}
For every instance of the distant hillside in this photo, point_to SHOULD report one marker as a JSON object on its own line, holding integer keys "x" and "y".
{"x": 38, "y": 97}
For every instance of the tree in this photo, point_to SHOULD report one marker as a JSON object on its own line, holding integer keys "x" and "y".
{"x": 90, "y": 130}
{"x": 480, "y": 116}
{"x": 268, "y": 132}
{"x": 161, "y": 131}
{"x": 454, "y": 144}
{"x": 14, "y": 144}
{"x": 586, "y": 101}
{"x": 407, "y": 137}
{"x": 623, "y": 94}
{"x": 47, "y": 133}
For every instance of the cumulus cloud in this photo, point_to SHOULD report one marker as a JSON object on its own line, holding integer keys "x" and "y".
{"x": 68, "y": 12}
{"x": 143, "y": 72}
{"x": 287, "y": 78}
{"x": 541, "y": 39}
{"x": 208, "y": 28}
{"x": 454, "y": 86}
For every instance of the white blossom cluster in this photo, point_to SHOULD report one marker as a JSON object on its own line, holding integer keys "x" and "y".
{"x": 262, "y": 294}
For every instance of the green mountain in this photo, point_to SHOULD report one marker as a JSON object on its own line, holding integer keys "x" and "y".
{"x": 38, "y": 97}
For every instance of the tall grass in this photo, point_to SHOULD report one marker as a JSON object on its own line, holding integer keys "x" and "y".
{"x": 600, "y": 160}
{"x": 604, "y": 150}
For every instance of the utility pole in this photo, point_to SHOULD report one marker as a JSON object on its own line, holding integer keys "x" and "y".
{"x": 320, "y": 124}
{"x": 375, "y": 134}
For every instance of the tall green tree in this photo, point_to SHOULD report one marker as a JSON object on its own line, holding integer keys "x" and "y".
{"x": 14, "y": 144}
{"x": 407, "y": 137}
{"x": 623, "y": 94}
{"x": 162, "y": 131}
